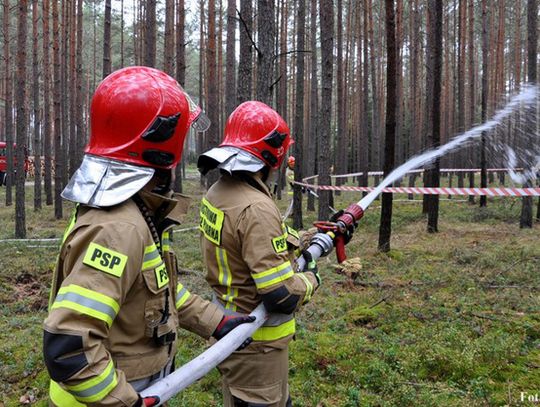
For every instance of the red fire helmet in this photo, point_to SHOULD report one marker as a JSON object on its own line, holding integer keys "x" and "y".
{"x": 291, "y": 161}
{"x": 141, "y": 116}
{"x": 258, "y": 129}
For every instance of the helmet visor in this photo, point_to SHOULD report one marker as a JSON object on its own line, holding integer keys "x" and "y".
{"x": 197, "y": 118}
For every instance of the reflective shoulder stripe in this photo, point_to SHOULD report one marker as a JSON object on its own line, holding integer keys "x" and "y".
{"x": 152, "y": 258}
{"x": 273, "y": 333}
{"x": 182, "y": 295}
{"x": 309, "y": 287}
{"x": 87, "y": 302}
{"x": 97, "y": 387}
{"x": 292, "y": 232}
{"x": 62, "y": 398}
{"x": 273, "y": 275}
{"x": 166, "y": 241}
{"x": 71, "y": 224}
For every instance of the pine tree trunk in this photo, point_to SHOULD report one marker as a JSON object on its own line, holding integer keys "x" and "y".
{"x": 365, "y": 143}
{"x": 326, "y": 15}
{"x": 526, "y": 218}
{"x": 299, "y": 112}
{"x": 8, "y": 181}
{"x": 230, "y": 82}
{"x": 107, "y": 69}
{"x": 65, "y": 96}
{"x": 385, "y": 228}
{"x": 79, "y": 108}
{"x": 314, "y": 104}
{"x": 72, "y": 80}
{"x": 58, "y": 155}
{"x": 266, "y": 34}
{"x": 213, "y": 108}
{"x": 168, "y": 46}
{"x": 339, "y": 162}
{"x": 35, "y": 94}
{"x": 150, "y": 34}
{"x": 245, "y": 63}
{"x": 47, "y": 135}
{"x": 282, "y": 85}
{"x": 180, "y": 74}
{"x": 22, "y": 116}
{"x": 433, "y": 85}
{"x": 122, "y": 28}
{"x": 485, "y": 94}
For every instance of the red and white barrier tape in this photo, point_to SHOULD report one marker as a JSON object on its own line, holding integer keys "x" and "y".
{"x": 434, "y": 191}
{"x": 357, "y": 174}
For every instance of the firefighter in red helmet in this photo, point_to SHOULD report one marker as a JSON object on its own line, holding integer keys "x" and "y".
{"x": 247, "y": 255}
{"x": 116, "y": 301}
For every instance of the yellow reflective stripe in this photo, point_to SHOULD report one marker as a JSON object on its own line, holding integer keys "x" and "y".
{"x": 166, "y": 241}
{"x": 182, "y": 295}
{"x": 151, "y": 258}
{"x": 273, "y": 275}
{"x": 272, "y": 333}
{"x": 309, "y": 287}
{"x": 96, "y": 388}
{"x": 87, "y": 302}
{"x": 62, "y": 398}
{"x": 71, "y": 224}
{"x": 292, "y": 232}
{"x": 225, "y": 278}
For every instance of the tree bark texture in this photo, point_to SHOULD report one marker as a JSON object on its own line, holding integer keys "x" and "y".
{"x": 22, "y": 118}
{"x": 107, "y": 69}
{"x": 434, "y": 113}
{"x": 37, "y": 116}
{"x": 385, "y": 228}
{"x": 245, "y": 62}
{"x": 299, "y": 116}
{"x": 326, "y": 15}
{"x": 266, "y": 32}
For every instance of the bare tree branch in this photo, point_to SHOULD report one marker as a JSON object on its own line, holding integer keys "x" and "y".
{"x": 248, "y": 32}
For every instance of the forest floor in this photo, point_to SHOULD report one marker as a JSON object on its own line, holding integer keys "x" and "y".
{"x": 446, "y": 319}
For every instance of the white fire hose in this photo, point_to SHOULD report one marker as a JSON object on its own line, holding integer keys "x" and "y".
{"x": 206, "y": 361}
{"x": 213, "y": 356}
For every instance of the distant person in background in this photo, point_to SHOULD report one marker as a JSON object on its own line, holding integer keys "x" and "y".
{"x": 246, "y": 254}
{"x": 116, "y": 301}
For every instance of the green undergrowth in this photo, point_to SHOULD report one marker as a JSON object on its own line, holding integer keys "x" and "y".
{"x": 445, "y": 319}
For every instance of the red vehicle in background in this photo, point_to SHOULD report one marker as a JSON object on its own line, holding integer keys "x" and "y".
{"x": 3, "y": 161}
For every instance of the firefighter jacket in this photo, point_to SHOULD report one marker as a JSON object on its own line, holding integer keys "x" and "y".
{"x": 244, "y": 244}
{"x": 112, "y": 312}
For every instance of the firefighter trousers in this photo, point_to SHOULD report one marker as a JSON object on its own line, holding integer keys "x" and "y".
{"x": 256, "y": 379}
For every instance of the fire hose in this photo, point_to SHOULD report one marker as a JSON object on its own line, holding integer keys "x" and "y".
{"x": 330, "y": 234}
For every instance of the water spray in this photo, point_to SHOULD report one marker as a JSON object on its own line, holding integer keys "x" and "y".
{"x": 349, "y": 218}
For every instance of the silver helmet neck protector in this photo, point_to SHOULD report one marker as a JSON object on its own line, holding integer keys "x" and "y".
{"x": 229, "y": 159}
{"x": 102, "y": 182}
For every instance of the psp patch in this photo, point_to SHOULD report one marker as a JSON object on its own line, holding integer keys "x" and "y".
{"x": 280, "y": 243}
{"x": 162, "y": 278}
{"x": 104, "y": 259}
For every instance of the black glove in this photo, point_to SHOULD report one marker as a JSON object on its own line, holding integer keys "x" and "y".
{"x": 147, "y": 401}
{"x": 350, "y": 228}
{"x": 228, "y": 323}
{"x": 311, "y": 265}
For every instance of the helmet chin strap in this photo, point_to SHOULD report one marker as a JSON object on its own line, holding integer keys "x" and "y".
{"x": 163, "y": 180}
{"x": 269, "y": 176}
